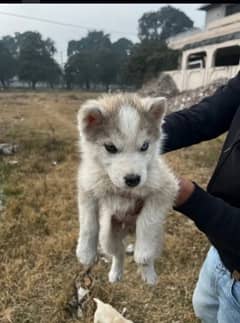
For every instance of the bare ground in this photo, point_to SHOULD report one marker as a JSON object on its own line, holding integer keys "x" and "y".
{"x": 39, "y": 226}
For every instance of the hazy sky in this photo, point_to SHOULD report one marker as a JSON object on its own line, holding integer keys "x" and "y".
{"x": 119, "y": 20}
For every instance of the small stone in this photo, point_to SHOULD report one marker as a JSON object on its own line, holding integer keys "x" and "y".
{"x": 104, "y": 259}
{"x": 130, "y": 249}
{"x": 13, "y": 162}
{"x": 7, "y": 149}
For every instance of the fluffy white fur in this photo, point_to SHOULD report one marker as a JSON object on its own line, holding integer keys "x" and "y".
{"x": 122, "y": 120}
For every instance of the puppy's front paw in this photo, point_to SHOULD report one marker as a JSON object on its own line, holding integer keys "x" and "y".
{"x": 86, "y": 256}
{"x": 142, "y": 258}
{"x": 148, "y": 274}
{"x": 115, "y": 275}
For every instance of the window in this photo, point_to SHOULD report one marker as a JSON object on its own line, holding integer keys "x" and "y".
{"x": 196, "y": 60}
{"x": 232, "y": 9}
{"x": 227, "y": 56}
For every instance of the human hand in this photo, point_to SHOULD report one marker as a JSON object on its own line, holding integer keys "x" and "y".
{"x": 186, "y": 188}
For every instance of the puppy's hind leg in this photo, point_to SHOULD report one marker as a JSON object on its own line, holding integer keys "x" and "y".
{"x": 149, "y": 240}
{"x": 112, "y": 244}
{"x": 116, "y": 272}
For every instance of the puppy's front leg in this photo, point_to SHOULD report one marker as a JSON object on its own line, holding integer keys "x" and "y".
{"x": 89, "y": 229}
{"x": 149, "y": 239}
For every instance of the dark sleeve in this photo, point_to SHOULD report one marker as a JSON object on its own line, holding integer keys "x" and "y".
{"x": 216, "y": 218}
{"x": 205, "y": 120}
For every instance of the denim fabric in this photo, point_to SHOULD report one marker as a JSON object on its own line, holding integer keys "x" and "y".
{"x": 216, "y": 298}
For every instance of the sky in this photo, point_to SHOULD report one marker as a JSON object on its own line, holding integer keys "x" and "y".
{"x": 118, "y": 20}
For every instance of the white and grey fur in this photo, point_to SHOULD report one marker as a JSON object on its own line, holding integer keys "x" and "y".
{"x": 127, "y": 121}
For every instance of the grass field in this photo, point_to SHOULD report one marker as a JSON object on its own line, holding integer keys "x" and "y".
{"x": 39, "y": 225}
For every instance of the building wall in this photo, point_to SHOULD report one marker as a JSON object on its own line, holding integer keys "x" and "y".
{"x": 215, "y": 13}
{"x": 220, "y": 31}
{"x": 193, "y": 79}
{"x": 188, "y": 79}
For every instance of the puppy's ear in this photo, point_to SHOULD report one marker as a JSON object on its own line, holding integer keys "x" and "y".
{"x": 92, "y": 117}
{"x": 155, "y": 106}
{"x": 90, "y": 113}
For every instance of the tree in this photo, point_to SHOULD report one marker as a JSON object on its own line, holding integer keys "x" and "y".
{"x": 8, "y": 64}
{"x": 35, "y": 57}
{"x": 78, "y": 70}
{"x": 91, "y": 60}
{"x": 10, "y": 43}
{"x": 151, "y": 55}
{"x": 166, "y": 22}
{"x": 95, "y": 40}
{"x": 122, "y": 49}
{"x": 53, "y": 72}
{"x": 148, "y": 58}
{"x": 106, "y": 67}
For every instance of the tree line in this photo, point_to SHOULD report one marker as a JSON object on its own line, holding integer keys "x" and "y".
{"x": 95, "y": 60}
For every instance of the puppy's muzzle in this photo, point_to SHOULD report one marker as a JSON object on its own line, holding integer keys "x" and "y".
{"x": 132, "y": 180}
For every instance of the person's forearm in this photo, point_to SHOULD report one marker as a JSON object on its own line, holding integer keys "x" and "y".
{"x": 213, "y": 216}
{"x": 203, "y": 121}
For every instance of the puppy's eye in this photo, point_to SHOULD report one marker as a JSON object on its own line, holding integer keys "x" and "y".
{"x": 144, "y": 146}
{"x": 111, "y": 148}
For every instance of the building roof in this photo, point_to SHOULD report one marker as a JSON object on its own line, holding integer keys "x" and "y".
{"x": 209, "y": 6}
{"x": 213, "y": 40}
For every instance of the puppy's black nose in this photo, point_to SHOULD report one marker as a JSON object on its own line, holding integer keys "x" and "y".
{"x": 132, "y": 180}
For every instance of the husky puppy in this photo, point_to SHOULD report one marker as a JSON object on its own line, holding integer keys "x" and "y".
{"x": 120, "y": 142}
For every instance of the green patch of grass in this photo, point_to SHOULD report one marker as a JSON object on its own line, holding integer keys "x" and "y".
{"x": 5, "y": 170}
{"x": 10, "y": 189}
{"x": 48, "y": 149}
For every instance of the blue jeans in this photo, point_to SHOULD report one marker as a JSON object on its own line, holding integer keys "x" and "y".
{"x": 216, "y": 298}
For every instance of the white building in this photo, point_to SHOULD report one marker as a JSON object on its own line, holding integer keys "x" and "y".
{"x": 211, "y": 53}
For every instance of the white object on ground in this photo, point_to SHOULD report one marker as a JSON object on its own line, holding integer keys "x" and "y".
{"x": 124, "y": 311}
{"x": 105, "y": 313}
{"x": 130, "y": 249}
{"x": 13, "y": 162}
{"x": 7, "y": 149}
{"x": 82, "y": 292}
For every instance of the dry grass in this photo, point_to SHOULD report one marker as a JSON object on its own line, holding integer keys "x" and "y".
{"x": 39, "y": 227}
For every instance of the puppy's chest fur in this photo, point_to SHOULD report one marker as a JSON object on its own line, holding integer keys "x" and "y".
{"x": 120, "y": 205}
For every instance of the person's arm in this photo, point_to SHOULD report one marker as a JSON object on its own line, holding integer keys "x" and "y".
{"x": 213, "y": 216}
{"x": 205, "y": 120}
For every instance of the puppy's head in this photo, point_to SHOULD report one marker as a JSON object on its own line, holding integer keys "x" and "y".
{"x": 122, "y": 133}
